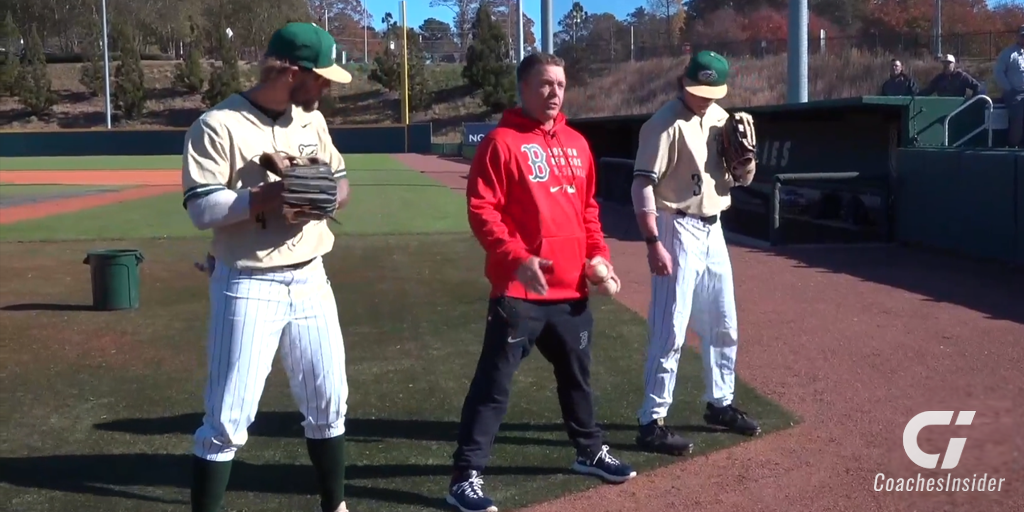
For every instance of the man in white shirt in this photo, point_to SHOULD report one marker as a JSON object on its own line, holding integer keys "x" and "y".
{"x": 1009, "y": 74}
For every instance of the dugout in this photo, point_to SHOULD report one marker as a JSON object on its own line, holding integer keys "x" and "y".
{"x": 836, "y": 162}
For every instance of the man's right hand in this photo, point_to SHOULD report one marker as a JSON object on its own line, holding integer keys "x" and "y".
{"x": 659, "y": 260}
{"x": 531, "y": 274}
{"x": 265, "y": 197}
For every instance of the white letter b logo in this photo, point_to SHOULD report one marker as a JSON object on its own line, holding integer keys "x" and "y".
{"x": 929, "y": 418}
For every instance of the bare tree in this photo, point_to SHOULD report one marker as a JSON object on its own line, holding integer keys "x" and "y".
{"x": 462, "y": 20}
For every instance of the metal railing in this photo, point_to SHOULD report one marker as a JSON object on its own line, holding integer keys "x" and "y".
{"x": 988, "y": 121}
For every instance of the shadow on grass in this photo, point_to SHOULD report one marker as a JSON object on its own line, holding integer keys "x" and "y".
{"x": 40, "y": 306}
{"x": 281, "y": 424}
{"x": 100, "y": 475}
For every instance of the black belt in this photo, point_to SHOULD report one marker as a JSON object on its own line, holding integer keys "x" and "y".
{"x": 286, "y": 268}
{"x": 709, "y": 220}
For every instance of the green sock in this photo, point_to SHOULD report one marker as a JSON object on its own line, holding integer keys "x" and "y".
{"x": 328, "y": 458}
{"x": 209, "y": 483}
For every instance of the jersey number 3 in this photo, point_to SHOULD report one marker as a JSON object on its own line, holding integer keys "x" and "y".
{"x": 698, "y": 181}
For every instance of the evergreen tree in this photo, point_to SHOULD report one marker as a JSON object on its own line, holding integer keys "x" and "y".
{"x": 188, "y": 75}
{"x": 129, "y": 94}
{"x": 10, "y": 68}
{"x": 487, "y": 65}
{"x": 226, "y": 79}
{"x": 91, "y": 73}
{"x": 387, "y": 65}
{"x": 35, "y": 90}
{"x": 419, "y": 94}
{"x": 387, "y": 69}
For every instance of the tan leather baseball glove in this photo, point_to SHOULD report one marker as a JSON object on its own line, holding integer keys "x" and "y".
{"x": 738, "y": 146}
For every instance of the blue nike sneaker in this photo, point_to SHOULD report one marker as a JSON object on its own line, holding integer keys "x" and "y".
{"x": 604, "y": 466}
{"x": 466, "y": 491}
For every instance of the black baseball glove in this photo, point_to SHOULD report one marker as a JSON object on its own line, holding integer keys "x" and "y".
{"x": 738, "y": 146}
{"x": 310, "y": 188}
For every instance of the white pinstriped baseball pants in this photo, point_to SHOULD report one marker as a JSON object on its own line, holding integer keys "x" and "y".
{"x": 699, "y": 292}
{"x": 253, "y": 313}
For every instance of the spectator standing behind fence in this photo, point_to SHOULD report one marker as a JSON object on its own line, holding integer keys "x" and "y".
{"x": 899, "y": 83}
{"x": 1010, "y": 77}
{"x": 952, "y": 82}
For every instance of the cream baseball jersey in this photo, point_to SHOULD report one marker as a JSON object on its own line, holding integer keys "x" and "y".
{"x": 679, "y": 151}
{"x": 222, "y": 150}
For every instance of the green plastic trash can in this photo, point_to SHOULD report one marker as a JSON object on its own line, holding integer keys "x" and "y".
{"x": 115, "y": 278}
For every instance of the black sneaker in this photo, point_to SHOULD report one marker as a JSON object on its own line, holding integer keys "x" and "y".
{"x": 467, "y": 494}
{"x": 656, "y": 437}
{"x": 604, "y": 466}
{"x": 731, "y": 418}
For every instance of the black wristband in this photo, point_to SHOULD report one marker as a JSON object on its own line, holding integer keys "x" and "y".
{"x": 651, "y": 240}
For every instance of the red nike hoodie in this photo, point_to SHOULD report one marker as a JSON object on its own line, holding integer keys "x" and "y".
{"x": 531, "y": 193}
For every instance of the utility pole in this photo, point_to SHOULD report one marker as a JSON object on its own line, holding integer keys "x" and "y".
{"x": 797, "y": 53}
{"x": 632, "y": 45}
{"x": 106, "y": 63}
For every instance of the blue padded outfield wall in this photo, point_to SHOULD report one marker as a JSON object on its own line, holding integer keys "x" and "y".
{"x": 348, "y": 139}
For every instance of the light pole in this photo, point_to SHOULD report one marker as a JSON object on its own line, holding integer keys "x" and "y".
{"x": 547, "y": 26}
{"x": 797, "y": 53}
{"x": 522, "y": 32}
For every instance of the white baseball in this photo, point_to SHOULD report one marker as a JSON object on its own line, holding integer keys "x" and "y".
{"x": 600, "y": 271}
{"x": 608, "y": 287}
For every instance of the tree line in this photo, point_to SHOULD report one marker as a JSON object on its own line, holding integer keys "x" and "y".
{"x": 481, "y": 34}
{"x": 662, "y": 28}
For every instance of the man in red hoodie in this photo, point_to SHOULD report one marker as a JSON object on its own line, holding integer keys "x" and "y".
{"x": 531, "y": 206}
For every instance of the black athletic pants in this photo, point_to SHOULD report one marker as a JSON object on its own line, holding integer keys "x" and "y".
{"x": 563, "y": 333}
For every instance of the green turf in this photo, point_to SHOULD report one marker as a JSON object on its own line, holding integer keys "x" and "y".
{"x": 385, "y": 199}
{"x": 159, "y": 216}
{"x": 100, "y": 408}
{"x": 14, "y": 190}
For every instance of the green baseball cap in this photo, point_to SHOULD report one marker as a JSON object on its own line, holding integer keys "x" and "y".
{"x": 706, "y": 75}
{"x": 309, "y": 46}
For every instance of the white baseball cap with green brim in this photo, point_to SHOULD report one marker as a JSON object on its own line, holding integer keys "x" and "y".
{"x": 308, "y": 46}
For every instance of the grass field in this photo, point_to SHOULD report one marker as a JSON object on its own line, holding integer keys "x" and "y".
{"x": 100, "y": 407}
{"x": 9, "y": 190}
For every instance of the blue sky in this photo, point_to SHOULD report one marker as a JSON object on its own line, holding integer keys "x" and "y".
{"x": 419, "y": 10}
